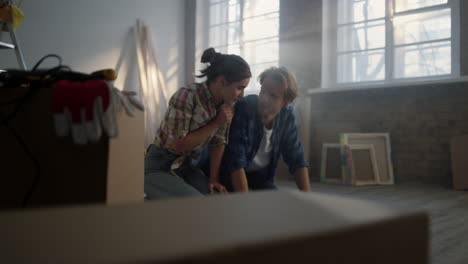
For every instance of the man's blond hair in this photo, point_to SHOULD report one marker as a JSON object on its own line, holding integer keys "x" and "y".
{"x": 283, "y": 76}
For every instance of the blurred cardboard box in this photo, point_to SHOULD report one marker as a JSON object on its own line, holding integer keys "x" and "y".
{"x": 258, "y": 227}
{"x": 108, "y": 171}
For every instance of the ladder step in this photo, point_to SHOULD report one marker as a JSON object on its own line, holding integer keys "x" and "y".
{"x": 4, "y": 45}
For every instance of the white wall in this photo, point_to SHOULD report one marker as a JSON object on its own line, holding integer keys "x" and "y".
{"x": 89, "y": 35}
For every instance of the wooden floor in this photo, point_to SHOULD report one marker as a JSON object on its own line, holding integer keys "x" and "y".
{"x": 448, "y": 209}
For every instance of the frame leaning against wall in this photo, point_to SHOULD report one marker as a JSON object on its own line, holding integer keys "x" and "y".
{"x": 381, "y": 143}
{"x": 361, "y": 164}
{"x": 339, "y": 176}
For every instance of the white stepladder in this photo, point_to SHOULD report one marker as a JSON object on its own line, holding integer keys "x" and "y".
{"x": 15, "y": 44}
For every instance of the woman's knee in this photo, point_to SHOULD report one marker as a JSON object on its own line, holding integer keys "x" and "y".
{"x": 164, "y": 185}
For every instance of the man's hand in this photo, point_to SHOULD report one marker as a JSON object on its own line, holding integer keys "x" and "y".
{"x": 239, "y": 180}
{"x": 218, "y": 186}
{"x": 302, "y": 179}
{"x": 224, "y": 114}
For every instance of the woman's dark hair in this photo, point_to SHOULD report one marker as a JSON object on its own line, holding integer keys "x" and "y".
{"x": 231, "y": 66}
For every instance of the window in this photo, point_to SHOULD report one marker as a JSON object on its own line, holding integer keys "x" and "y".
{"x": 248, "y": 28}
{"x": 385, "y": 41}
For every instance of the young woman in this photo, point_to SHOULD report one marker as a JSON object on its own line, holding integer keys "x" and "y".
{"x": 198, "y": 117}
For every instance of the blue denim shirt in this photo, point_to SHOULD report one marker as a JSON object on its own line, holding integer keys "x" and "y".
{"x": 246, "y": 134}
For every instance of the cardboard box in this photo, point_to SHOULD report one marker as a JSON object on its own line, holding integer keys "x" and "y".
{"x": 459, "y": 155}
{"x": 108, "y": 171}
{"x": 259, "y": 227}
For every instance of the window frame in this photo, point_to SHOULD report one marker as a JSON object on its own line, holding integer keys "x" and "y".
{"x": 243, "y": 43}
{"x": 330, "y": 48}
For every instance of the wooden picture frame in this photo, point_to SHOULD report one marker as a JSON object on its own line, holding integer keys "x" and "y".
{"x": 381, "y": 143}
{"x": 361, "y": 165}
{"x": 331, "y": 169}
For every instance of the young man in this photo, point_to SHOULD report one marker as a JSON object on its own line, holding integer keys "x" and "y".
{"x": 263, "y": 128}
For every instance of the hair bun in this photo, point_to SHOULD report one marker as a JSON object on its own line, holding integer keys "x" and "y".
{"x": 209, "y": 55}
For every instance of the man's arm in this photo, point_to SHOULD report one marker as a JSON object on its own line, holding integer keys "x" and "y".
{"x": 236, "y": 156}
{"x": 301, "y": 175}
{"x": 216, "y": 155}
{"x": 239, "y": 180}
{"x": 293, "y": 153}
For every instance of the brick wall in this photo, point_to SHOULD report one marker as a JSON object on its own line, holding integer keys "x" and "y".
{"x": 421, "y": 121}
{"x": 463, "y": 38}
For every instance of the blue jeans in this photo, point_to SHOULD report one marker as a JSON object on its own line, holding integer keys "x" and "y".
{"x": 256, "y": 182}
{"x": 162, "y": 182}
{"x": 260, "y": 180}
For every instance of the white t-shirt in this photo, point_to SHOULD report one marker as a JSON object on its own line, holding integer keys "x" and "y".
{"x": 263, "y": 156}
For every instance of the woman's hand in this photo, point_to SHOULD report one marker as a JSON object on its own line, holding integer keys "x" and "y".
{"x": 224, "y": 115}
{"x": 217, "y": 186}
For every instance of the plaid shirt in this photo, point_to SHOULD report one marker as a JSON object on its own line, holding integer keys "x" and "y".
{"x": 189, "y": 108}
